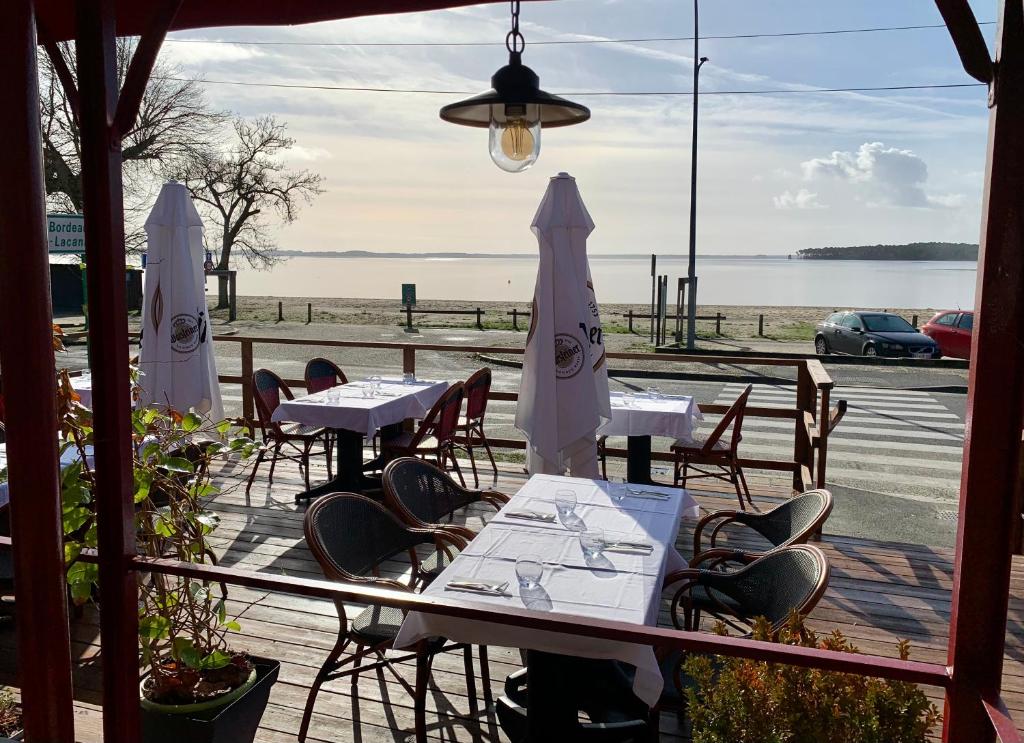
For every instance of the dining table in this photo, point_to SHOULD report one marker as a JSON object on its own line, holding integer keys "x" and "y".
{"x": 68, "y": 457}
{"x": 354, "y": 411}
{"x": 637, "y": 526}
{"x": 639, "y": 417}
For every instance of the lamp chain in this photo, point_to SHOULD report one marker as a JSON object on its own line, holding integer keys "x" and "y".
{"x": 514, "y": 41}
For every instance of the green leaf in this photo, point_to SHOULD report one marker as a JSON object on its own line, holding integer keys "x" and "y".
{"x": 191, "y": 422}
{"x": 71, "y": 551}
{"x": 74, "y": 518}
{"x": 208, "y": 519}
{"x": 149, "y": 415}
{"x": 185, "y": 651}
{"x": 164, "y": 526}
{"x": 154, "y": 627}
{"x": 216, "y": 659}
{"x": 233, "y": 626}
{"x": 223, "y": 427}
{"x": 177, "y": 464}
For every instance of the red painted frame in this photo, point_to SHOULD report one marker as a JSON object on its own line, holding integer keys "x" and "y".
{"x": 995, "y": 402}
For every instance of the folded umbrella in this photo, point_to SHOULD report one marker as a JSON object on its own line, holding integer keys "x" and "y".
{"x": 176, "y": 357}
{"x": 563, "y": 394}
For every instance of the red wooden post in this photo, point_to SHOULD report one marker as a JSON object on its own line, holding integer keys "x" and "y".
{"x": 105, "y": 255}
{"x": 26, "y": 354}
{"x": 981, "y": 575}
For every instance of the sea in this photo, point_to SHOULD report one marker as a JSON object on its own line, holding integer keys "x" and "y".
{"x": 750, "y": 281}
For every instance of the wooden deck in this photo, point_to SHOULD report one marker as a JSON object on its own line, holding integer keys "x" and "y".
{"x": 879, "y": 592}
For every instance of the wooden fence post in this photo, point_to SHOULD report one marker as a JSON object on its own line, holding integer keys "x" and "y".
{"x": 760, "y": 326}
{"x": 280, "y": 311}
{"x": 479, "y": 323}
{"x": 232, "y": 297}
{"x": 309, "y": 313}
{"x": 631, "y": 320}
{"x": 913, "y": 320}
{"x": 718, "y": 323}
{"x": 515, "y": 321}
{"x": 248, "y": 412}
{"x": 408, "y": 318}
{"x": 803, "y": 449}
{"x": 409, "y": 360}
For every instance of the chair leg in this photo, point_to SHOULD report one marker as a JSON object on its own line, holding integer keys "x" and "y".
{"x": 736, "y": 484}
{"x": 305, "y": 460}
{"x": 255, "y": 466}
{"x": 329, "y": 453}
{"x": 743, "y": 480}
{"x": 472, "y": 459}
{"x": 273, "y": 462}
{"x": 487, "y": 448}
{"x": 321, "y": 676}
{"x": 485, "y": 674}
{"x": 423, "y": 660}
{"x": 455, "y": 465}
{"x": 467, "y": 661}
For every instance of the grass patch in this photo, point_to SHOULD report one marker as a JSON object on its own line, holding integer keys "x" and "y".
{"x": 792, "y": 331}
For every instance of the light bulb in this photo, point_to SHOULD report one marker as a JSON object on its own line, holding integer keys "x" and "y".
{"x": 514, "y": 136}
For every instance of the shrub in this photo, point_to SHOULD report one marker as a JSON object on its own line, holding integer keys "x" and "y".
{"x": 738, "y": 700}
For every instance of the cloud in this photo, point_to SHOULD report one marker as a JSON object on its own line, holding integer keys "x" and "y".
{"x": 880, "y": 176}
{"x": 802, "y": 199}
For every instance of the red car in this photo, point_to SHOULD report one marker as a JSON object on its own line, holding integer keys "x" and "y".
{"x": 951, "y": 329}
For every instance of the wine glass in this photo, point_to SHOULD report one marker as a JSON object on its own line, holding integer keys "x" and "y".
{"x": 529, "y": 571}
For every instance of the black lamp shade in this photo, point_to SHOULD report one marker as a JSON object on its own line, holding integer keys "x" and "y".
{"x": 515, "y": 84}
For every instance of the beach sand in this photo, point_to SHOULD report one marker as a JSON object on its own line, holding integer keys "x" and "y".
{"x": 780, "y": 323}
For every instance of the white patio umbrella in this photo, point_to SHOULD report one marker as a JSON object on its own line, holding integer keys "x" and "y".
{"x": 563, "y": 395}
{"x": 176, "y": 359}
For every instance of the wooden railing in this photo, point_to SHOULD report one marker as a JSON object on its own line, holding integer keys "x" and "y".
{"x": 813, "y": 416}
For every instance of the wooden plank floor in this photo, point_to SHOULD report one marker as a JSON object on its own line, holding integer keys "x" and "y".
{"x": 879, "y": 592}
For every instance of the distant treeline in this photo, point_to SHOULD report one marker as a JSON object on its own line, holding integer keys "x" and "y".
{"x": 909, "y": 252}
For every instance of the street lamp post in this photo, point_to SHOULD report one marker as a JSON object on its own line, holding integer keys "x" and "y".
{"x": 691, "y": 307}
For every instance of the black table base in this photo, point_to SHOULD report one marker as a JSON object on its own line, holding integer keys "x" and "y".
{"x": 638, "y": 460}
{"x": 350, "y": 474}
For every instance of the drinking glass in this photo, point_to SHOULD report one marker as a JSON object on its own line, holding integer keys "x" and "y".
{"x": 654, "y": 393}
{"x": 565, "y": 502}
{"x": 592, "y": 542}
{"x": 367, "y": 390}
{"x": 529, "y": 571}
{"x": 408, "y": 378}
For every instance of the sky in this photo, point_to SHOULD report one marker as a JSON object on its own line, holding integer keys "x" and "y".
{"x": 777, "y": 172}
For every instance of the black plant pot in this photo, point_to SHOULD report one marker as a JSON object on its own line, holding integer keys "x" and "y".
{"x": 236, "y": 722}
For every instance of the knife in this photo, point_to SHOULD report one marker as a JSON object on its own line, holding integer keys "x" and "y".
{"x": 531, "y": 516}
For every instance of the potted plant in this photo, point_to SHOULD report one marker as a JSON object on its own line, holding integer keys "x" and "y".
{"x": 195, "y": 687}
{"x": 739, "y": 700}
{"x": 10, "y": 717}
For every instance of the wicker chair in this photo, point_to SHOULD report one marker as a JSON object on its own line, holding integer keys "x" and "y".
{"x": 793, "y": 521}
{"x": 471, "y": 425}
{"x": 712, "y": 451}
{"x": 322, "y": 374}
{"x": 350, "y": 536}
{"x": 435, "y": 437}
{"x": 269, "y": 388}
{"x": 784, "y": 580}
{"x": 425, "y": 497}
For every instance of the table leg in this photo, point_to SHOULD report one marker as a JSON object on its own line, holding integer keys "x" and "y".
{"x": 638, "y": 460}
{"x": 349, "y": 477}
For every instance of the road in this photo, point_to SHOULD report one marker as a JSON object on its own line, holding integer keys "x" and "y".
{"x": 893, "y": 462}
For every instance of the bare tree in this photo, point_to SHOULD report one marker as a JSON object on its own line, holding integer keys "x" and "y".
{"x": 240, "y": 184}
{"x": 174, "y": 122}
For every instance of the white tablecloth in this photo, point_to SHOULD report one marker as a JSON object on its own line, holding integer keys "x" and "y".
{"x": 83, "y": 386}
{"x": 345, "y": 407}
{"x": 69, "y": 456}
{"x": 613, "y": 586}
{"x": 669, "y": 415}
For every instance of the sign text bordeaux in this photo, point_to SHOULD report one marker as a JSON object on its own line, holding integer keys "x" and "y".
{"x": 65, "y": 233}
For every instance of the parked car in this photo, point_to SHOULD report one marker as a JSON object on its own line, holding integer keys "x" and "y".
{"x": 951, "y": 329}
{"x": 864, "y": 333}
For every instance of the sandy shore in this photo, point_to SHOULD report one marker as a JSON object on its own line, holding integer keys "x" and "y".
{"x": 780, "y": 323}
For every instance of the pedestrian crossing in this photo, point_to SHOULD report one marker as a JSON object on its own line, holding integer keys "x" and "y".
{"x": 900, "y": 443}
{"x": 903, "y": 443}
